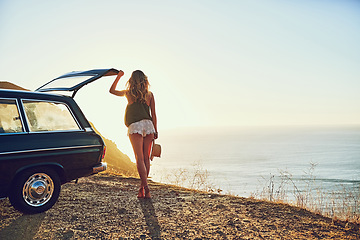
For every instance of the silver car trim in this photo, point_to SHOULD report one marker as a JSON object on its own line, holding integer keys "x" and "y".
{"x": 88, "y": 129}
{"x": 54, "y": 131}
{"x": 42, "y": 132}
{"x": 100, "y": 168}
{"x": 50, "y": 149}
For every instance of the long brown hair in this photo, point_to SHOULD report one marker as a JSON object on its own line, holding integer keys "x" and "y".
{"x": 138, "y": 86}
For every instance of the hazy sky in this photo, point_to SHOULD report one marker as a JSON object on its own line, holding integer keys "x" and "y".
{"x": 209, "y": 63}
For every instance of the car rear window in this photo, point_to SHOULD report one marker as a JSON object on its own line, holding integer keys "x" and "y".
{"x": 9, "y": 117}
{"x": 49, "y": 116}
{"x": 65, "y": 83}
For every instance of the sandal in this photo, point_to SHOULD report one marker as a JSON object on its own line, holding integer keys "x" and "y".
{"x": 147, "y": 192}
{"x": 141, "y": 193}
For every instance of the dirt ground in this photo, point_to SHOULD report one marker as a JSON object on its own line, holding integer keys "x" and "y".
{"x": 105, "y": 206}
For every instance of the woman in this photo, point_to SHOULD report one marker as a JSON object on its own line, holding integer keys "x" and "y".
{"x": 140, "y": 118}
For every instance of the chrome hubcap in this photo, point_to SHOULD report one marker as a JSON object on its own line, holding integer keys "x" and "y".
{"x": 38, "y": 189}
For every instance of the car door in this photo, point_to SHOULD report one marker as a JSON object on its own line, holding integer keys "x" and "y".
{"x": 73, "y": 81}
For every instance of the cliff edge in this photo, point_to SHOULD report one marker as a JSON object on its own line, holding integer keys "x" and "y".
{"x": 105, "y": 206}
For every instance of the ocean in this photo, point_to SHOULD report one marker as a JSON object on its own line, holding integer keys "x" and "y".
{"x": 256, "y": 160}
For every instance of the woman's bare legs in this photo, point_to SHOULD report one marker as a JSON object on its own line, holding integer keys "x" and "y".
{"x": 137, "y": 144}
{"x": 141, "y": 147}
{"x": 146, "y": 150}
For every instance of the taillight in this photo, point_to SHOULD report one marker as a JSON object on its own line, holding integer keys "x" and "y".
{"x": 103, "y": 154}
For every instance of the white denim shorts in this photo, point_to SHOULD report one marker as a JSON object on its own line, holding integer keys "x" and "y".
{"x": 143, "y": 127}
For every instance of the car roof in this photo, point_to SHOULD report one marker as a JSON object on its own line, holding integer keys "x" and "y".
{"x": 9, "y": 93}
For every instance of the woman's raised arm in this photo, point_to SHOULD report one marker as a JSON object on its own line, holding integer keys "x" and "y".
{"x": 113, "y": 86}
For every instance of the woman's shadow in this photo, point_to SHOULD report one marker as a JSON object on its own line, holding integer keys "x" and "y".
{"x": 150, "y": 218}
{"x": 24, "y": 227}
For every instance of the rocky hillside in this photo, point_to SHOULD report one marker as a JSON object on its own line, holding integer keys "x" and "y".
{"x": 9, "y": 85}
{"x": 117, "y": 161}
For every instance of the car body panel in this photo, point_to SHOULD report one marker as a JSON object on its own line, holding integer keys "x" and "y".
{"x": 73, "y": 153}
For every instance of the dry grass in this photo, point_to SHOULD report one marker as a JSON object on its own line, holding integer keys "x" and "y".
{"x": 196, "y": 178}
{"x": 341, "y": 203}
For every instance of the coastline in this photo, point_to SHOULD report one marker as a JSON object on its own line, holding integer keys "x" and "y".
{"x": 105, "y": 206}
{"x": 315, "y": 167}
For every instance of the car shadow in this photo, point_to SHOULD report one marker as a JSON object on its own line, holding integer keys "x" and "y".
{"x": 151, "y": 218}
{"x": 24, "y": 227}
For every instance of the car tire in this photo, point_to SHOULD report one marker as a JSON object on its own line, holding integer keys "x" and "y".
{"x": 35, "y": 190}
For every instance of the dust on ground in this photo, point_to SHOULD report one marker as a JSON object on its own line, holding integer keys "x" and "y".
{"x": 105, "y": 206}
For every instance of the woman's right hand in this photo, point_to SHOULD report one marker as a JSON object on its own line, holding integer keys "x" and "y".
{"x": 121, "y": 73}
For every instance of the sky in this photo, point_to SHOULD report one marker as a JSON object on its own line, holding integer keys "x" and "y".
{"x": 210, "y": 63}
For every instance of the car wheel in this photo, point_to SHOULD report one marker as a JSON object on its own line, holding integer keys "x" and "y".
{"x": 35, "y": 190}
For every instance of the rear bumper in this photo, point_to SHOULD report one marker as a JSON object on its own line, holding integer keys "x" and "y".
{"x": 99, "y": 168}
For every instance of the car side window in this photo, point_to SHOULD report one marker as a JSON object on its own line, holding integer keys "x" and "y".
{"x": 9, "y": 117}
{"x": 49, "y": 116}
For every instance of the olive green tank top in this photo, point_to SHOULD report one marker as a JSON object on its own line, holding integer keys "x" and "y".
{"x": 135, "y": 112}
